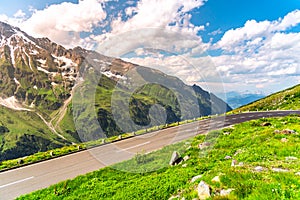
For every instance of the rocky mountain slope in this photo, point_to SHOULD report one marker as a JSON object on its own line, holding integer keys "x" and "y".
{"x": 52, "y": 96}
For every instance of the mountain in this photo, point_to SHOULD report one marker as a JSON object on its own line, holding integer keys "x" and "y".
{"x": 236, "y": 99}
{"x": 52, "y": 96}
{"x": 288, "y": 99}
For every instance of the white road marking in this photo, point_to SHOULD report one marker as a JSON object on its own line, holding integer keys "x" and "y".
{"x": 16, "y": 182}
{"x": 134, "y": 146}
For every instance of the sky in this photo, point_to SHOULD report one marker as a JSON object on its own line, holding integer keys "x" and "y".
{"x": 222, "y": 46}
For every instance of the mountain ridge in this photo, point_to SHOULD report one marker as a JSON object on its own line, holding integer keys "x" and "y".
{"x": 40, "y": 77}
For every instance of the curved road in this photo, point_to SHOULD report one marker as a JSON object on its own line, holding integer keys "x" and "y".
{"x": 16, "y": 182}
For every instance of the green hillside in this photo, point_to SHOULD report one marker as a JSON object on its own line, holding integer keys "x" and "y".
{"x": 288, "y": 99}
{"x": 23, "y": 133}
{"x": 267, "y": 167}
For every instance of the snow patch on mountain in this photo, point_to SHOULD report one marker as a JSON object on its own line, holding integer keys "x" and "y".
{"x": 43, "y": 62}
{"x": 109, "y": 74}
{"x": 43, "y": 70}
{"x": 34, "y": 52}
{"x": 29, "y": 59}
{"x": 12, "y": 103}
{"x": 17, "y": 82}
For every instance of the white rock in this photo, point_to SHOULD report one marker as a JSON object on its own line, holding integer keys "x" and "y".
{"x": 297, "y": 174}
{"x": 203, "y": 190}
{"x": 196, "y": 178}
{"x": 226, "y": 192}
{"x": 291, "y": 158}
{"x": 233, "y": 163}
{"x": 227, "y": 157}
{"x": 184, "y": 165}
{"x": 174, "y": 158}
{"x": 185, "y": 158}
{"x": 279, "y": 170}
{"x": 238, "y": 152}
{"x": 216, "y": 179}
{"x": 174, "y": 197}
{"x": 259, "y": 169}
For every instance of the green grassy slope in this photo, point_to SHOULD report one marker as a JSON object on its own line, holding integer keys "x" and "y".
{"x": 288, "y": 99}
{"x": 250, "y": 143}
{"x": 23, "y": 133}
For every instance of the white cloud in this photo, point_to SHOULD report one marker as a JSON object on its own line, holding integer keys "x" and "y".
{"x": 3, "y": 18}
{"x": 261, "y": 54}
{"x": 151, "y": 27}
{"x": 290, "y": 20}
{"x": 19, "y": 14}
{"x": 236, "y": 37}
{"x": 130, "y": 10}
{"x": 63, "y": 22}
{"x": 252, "y": 30}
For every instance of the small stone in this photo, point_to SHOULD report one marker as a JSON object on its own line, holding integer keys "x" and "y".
{"x": 226, "y": 133}
{"x": 259, "y": 169}
{"x": 288, "y": 132}
{"x": 284, "y": 140}
{"x": 120, "y": 137}
{"x": 174, "y": 197}
{"x": 184, "y": 165}
{"x": 216, "y": 179}
{"x": 241, "y": 164}
{"x": 185, "y": 158}
{"x": 175, "y": 159}
{"x": 226, "y": 192}
{"x": 20, "y": 161}
{"x": 233, "y": 163}
{"x": 51, "y": 153}
{"x": 277, "y": 131}
{"x": 203, "y": 190}
{"x": 203, "y": 145}
{"x": 227, "y": 157}
{"x": 238, "y": 152}
{"x": 196, "y": 178}
{"x": 279, "y": 170}
{"x": 291, "y": 158}
{"x": 297, "y": 174}
{"x": 266, "y": 124}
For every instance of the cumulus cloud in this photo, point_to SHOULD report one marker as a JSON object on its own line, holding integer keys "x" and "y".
{"x": 19, "y": 14}
{"x": 252, "y": 30}
{"x": 259, "y": 53}
{"x": 63, "y": 22}
{"x": 157, "y": 22}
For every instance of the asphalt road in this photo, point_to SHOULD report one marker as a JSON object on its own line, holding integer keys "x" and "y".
{"x": 16, "y": 182}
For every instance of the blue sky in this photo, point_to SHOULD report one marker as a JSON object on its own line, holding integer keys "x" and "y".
{"x": 221, "y": 45}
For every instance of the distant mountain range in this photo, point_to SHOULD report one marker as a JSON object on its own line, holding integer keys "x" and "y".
{"x": 52, "y": 96}
{"x": 288, "y": 99}
{"x": 238, "y": 99}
